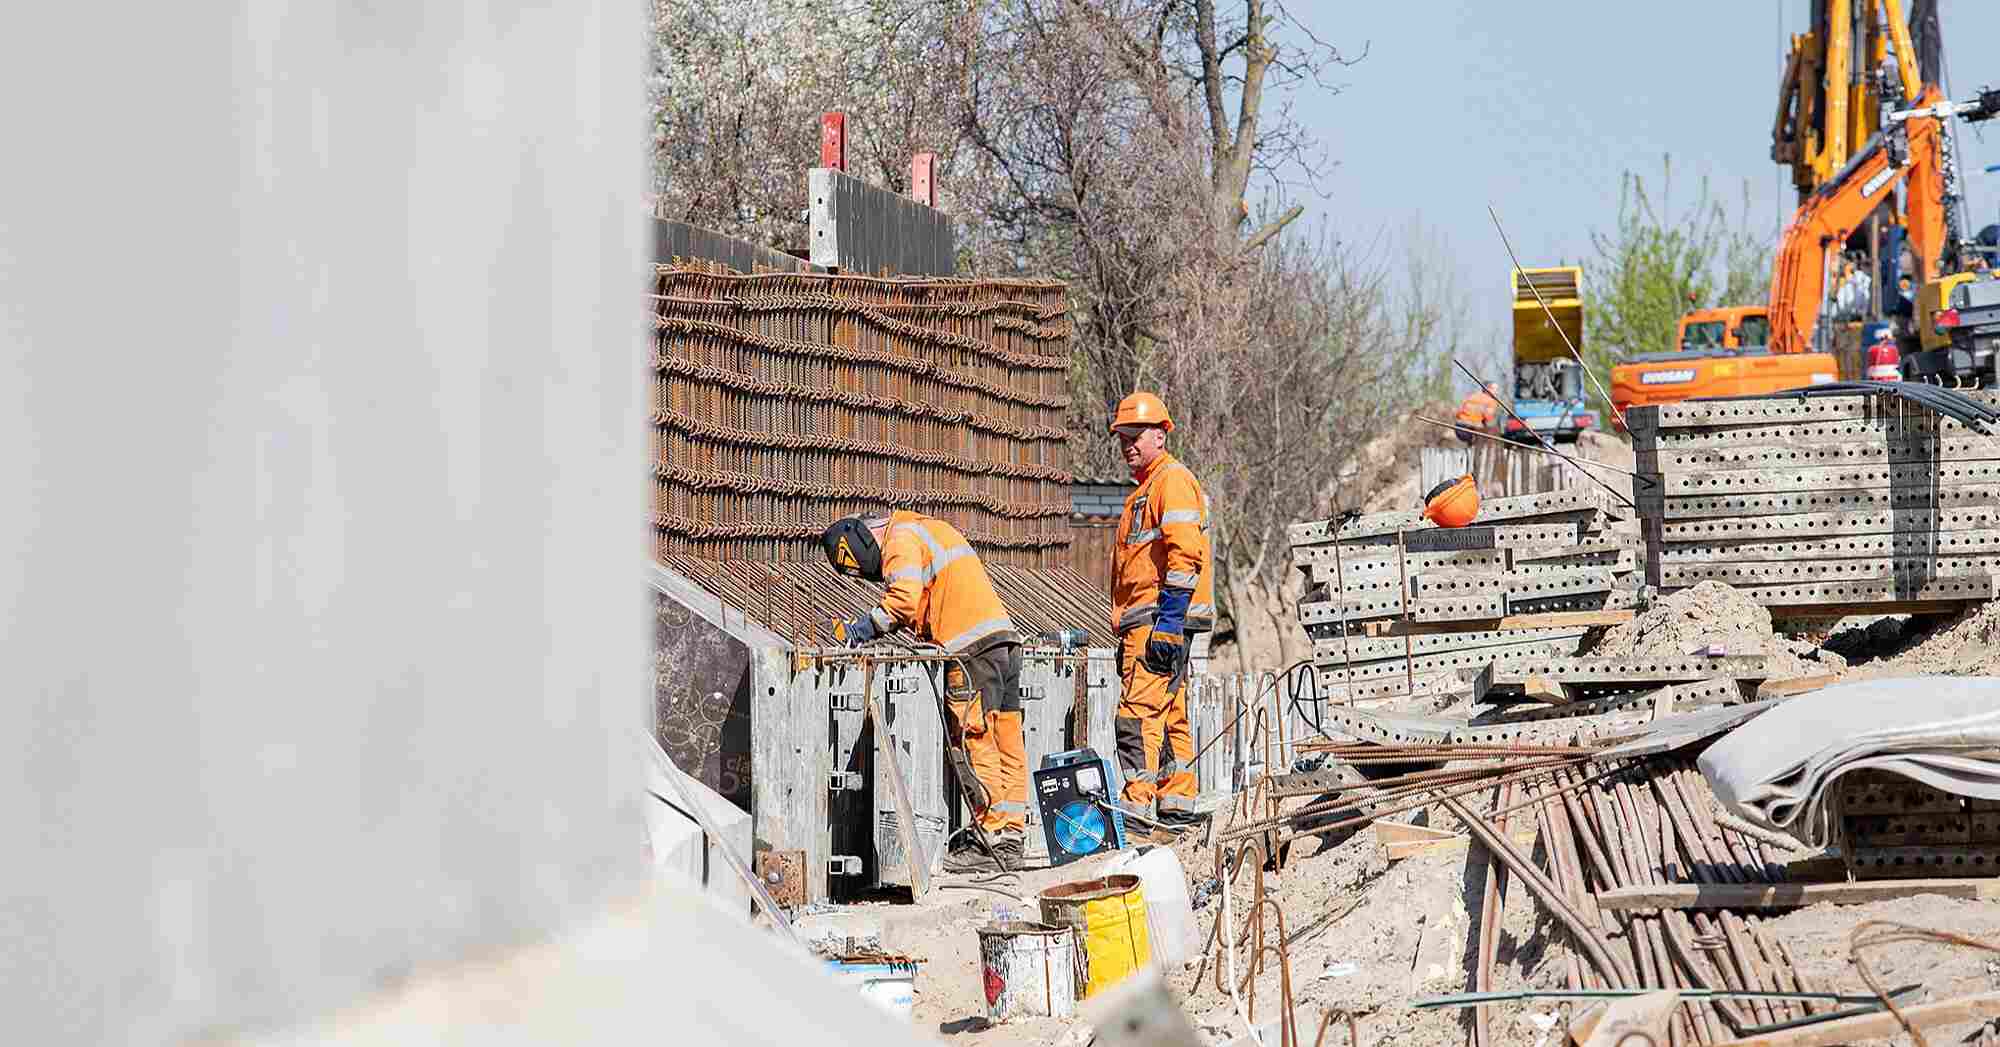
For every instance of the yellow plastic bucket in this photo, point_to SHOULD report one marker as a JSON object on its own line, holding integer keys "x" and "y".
{"x": 1109, "y": 915}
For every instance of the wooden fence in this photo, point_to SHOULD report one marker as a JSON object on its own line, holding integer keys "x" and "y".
{"x": 1499, "y": 469}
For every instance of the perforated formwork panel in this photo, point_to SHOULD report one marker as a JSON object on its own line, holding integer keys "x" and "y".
{"x": 1894, "y": 545}
{"x": 1914, "y": 570}
{"x": 1893, "y": 827}
{"x": 1884, "y": 499}
{"x": 1881, "y": 590}
{"x": 1777, "y": 410}
{"x": 1565, "y": 504}
{"x": 1338, "y": 671}
{"x": 1831, "y": 478}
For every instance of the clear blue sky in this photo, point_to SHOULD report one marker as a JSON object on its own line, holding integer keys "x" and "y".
{"x": 1538, "y": 108}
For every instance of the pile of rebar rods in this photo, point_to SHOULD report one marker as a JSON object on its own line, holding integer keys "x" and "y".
{"x": 1653, "y": 822}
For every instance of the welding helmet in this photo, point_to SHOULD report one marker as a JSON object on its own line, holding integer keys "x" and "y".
{"x": 851, "y": 549}
{"x": 1453, "y": 503}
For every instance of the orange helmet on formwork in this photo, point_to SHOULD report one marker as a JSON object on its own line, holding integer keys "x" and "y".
{"x": 1142, "y": 409}
{"x": 1453, "y": 503}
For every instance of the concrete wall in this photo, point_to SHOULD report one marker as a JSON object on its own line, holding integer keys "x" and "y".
{"x": 320, "y": 348}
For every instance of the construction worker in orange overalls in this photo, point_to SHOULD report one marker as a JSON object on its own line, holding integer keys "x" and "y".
{"x": 1479, "y": 412}
{"x": 938, "y": 589}
{"x": 1161, "y": 593}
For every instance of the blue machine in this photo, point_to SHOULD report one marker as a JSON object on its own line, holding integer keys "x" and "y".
{"x": 1079, "y": 817}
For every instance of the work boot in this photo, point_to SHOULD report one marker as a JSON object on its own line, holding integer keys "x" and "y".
{"x": 970, "y": 858}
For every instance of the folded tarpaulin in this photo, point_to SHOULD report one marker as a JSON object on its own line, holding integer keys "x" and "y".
{"x": 1779, "y": 769}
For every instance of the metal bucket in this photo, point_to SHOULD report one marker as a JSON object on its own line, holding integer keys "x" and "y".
{"x": 1030, "y": 970}
{"x": 1109, "y": 917}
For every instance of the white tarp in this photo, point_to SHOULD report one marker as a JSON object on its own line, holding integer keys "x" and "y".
{"x": 1778, "y": 770}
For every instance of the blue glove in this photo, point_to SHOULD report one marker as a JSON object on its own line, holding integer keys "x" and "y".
{"x": 857, "y": 631}
{"x": 1166, "y": 646}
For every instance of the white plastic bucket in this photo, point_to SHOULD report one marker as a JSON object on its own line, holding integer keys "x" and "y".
{"x": 890, "y": 982}
{"x": 1029, "y": 970}
{"x": 1169, "y": 914}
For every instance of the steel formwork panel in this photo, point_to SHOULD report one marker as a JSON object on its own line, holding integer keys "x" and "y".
{"x": 1887, "y": 590}
{"x": 1771, "y": 411}
{"x": 1630, "y": 670}
{"x": 1889, "y": 499}
{"x": 1891, "y": 447}
{"x": 1335, "y": 670}
{"x": 1863, "y": 546}
{"x": 1331, "y": 651}
{"x": 1787, "y": 572}
{"x": 1513, "y": 586}
{"x": 1859, "y": 477}
{"x": 1518, "y": 507}
{"x": 1917, "y": 521}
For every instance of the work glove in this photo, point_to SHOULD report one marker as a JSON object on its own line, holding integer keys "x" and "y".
{"x": 1166, "y": 645}
{"x": 856, "y": 631}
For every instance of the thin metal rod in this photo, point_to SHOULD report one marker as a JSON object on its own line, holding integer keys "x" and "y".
{"x": 1550, "y": 313}
{"x": 1530, "y": 430}
{"x": 1534, "y": 447}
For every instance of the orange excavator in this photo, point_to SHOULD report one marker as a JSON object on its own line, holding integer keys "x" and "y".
{"x": 1910, "y": 151}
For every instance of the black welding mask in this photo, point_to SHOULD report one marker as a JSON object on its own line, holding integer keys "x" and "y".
{"x": 851, "y": 549}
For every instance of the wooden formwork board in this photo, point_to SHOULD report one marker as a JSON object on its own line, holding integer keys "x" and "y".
{"x": 1916, "y": 521}
{"x": 1913, "y": 570}
{"x": 1891, "y": 499}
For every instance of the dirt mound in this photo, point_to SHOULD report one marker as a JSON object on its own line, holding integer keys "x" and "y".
{"x": 1717, "y": 619}
{"x": 1388, "y": 469}
{"x": 1965, "y": 645}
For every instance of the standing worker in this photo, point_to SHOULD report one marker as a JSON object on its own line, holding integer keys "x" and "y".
{"x": 1479, "y": 412}
{"x": 1160, "y": 593}
{"x": 938, "y": 589}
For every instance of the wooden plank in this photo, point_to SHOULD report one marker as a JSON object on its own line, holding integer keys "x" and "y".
{"x": 1843, "y": 610}
{"x": 906, "y": 815}
{"x": 1542, "y": 689}
{"x": 1795, "y": 686}
{"x": 1878, "y": 1025}
{"x": 1546, "y": 620}
{"x": 1788, "y": 895}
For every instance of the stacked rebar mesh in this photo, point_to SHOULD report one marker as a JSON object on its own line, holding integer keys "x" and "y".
{"x": 784, "y": 400}
{"x": 1523, "y": 555}
{"x": 1807, "y": 504}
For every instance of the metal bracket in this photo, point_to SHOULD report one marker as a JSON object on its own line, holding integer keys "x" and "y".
{"x": 1032, "y": 693}
{"x": 843, "y": 780}
{"x": 843, "y": 865}
{"x": 899, "y": 685}
{"x": 845, "y": 701}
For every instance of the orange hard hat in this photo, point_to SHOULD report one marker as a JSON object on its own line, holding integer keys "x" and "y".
{"x": 1453, "y": 503}
{"x": 1142, "y": 409}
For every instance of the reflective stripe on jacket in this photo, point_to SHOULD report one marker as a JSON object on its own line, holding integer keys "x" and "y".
{"x": 1480, "y": 410}
{"x": 938, "y": 587}
{"x": 1162, "y": 542}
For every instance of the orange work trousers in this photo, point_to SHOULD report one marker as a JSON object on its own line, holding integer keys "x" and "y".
{"x": 1152, "y": 719}
{"x": 983, "y": 692}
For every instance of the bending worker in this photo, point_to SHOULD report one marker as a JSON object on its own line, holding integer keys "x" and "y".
{"x": 938, "y": 589}
{"x": 1479, "y": 412}
{"x": 1161, "y": 593}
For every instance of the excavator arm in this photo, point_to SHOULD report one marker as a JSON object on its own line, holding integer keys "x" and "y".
{"x": 1905, "y": 151}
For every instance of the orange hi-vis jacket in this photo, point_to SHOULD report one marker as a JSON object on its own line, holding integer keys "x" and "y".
{"x": 938, "y": 587}
{"x": 1479, "y": 410}
{"x": 1162, "y": 542}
